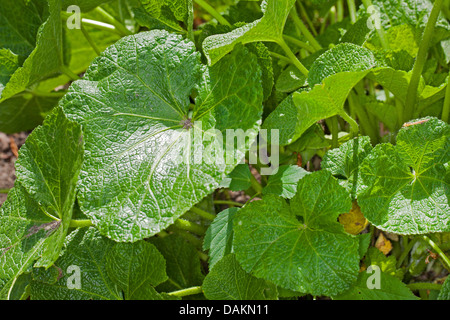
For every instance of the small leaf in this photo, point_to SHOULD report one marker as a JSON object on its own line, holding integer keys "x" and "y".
{"x": 269, "y": 28}
{"x": 228, "y": 281}
{"x": 284, "y": 182}
{"x": 219, "y": 236}
{"x": 445, "y": 291}
{"x": 239, "y": 179}
{"x": 354, "y": 221}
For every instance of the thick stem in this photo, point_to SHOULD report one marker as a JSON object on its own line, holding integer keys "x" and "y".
{"x": 80, "y": 223}
{"x": 424, "y": 286}
{"x": 334, "y": 128}
{"x": 306, "y": 17}
{"x": 189, "y": 226}
{"x": 203, "y": 213}
{"x": 352, "y": 10}
{"x": 340, "y": 10}
{"x": 212, "y": 12}
{"x": 4, "y": 190}
{"x": 255, "y": 184}
{"x": 187, "y": 292}
{"x": 406, "y": 250}
{"x": 293, "y": 57}
{"x": 411, "y": 97}
{"x": 354, "y": 127}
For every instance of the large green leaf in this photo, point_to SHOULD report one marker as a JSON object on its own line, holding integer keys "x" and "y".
{"x": 404, "y": 189}
{"x": 269, "y": 28}
{"x": 37, "y": 214}
{"x": 445, "y": 291}
{"x": 228, "y": 281}
{"x": 48, "y": 167}
{"x": 300, "y": 246}
{"x": 142, "y": 169}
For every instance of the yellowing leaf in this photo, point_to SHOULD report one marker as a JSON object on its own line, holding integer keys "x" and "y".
{"x": 354, "y": 221}
{"x": 383, "y": 244}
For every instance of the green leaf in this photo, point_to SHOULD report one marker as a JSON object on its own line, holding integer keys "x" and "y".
{"x": 166, "y": 14}
{"x": 344, "y": 162}
{"x": 345, "y": 57}
{"x": 228, "y": 281}
{"x": 308, "y": 107}
{"x": 48, "y": 167}
{"x": 357, "y": 33}
{"x": 37, "y": 214}
{"x": 46, "y": 57}
{"x": 300, "y": 246}
{"x": 25, "y": 231}
{"x": 219, "y": 236}
{"x": 445, "y": 291}
{"x": 182, "y": 263}
{"x": 388, "y": 265}
{"x": 24, "y": 111}
{"x": 9, "y": 62}
{"x": 284, "y": 182}
{"x": 88, "y": 250}
{"x": 141, "y": 170}
{"x": 404, "y": 189}
{"x": 391, "y": 288}
{"x": 239, "y": 179}
{"x": 269, "y": 28}
{"x": 136, "y": 268}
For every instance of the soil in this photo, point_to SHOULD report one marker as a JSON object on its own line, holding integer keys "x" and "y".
{"x": 9, "y": 146}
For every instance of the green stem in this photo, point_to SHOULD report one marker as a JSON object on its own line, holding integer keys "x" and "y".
{"x": 380, "y": 31}
{"x": 4, "y": 190}
{"x": 362, "y": 117}
{"x": 93, "y": 23}
{"x": 304, "y": 30}
{"x": 334, "y": 128}
{"x": 203, "y": 213}
{"x": 442, "y": 255}
{"x": 411, "y": 96}
{"x": 354, "y": 127}
{"x": 213, "y": 12}
{"x": 280, "y": 57}
{"x": 352, "y": 10}
{"x": 73, "y": 76}
{"x": 446, "y": 109}
{"x": 80, "y": 223}
{"x": 424, "y": 286}
{"x": 231, "y": 203}
{"x": 186, "y": 292}
{"x": 255, "y": 184}
{"x": 189, "y": 226}
{"x": 293, "y": 57}
{"x": 299, "y": 43}
{"x": 406, "y": 251}
{"x": 90, "y": 40}
{"x": 340, "y": 10}
{"x": 196, "y": 242}
{"x": 110, "y": 19}
{"x": 305, "y": 16}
